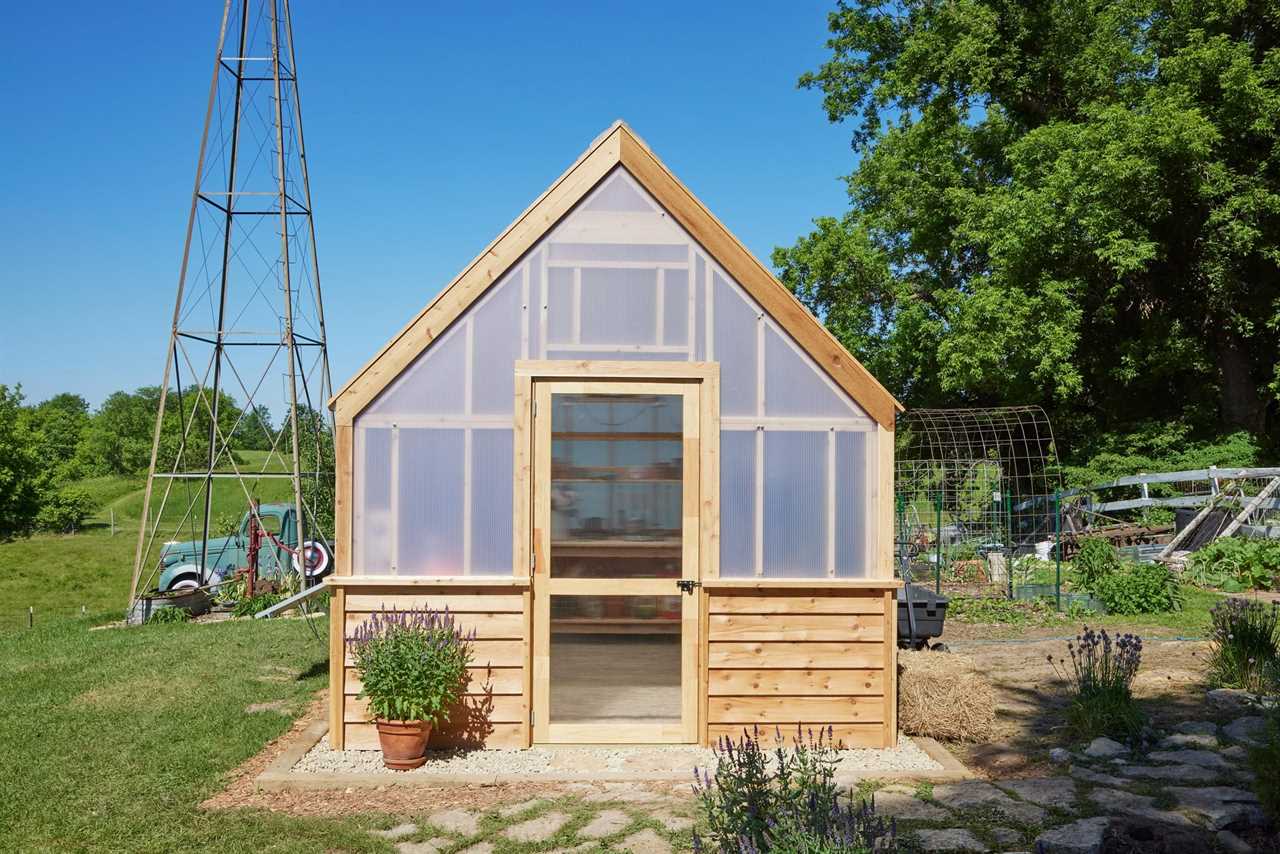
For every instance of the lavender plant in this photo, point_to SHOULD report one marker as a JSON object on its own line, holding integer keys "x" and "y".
{"x": 783, "y": 800}
{"x": 1245, "y": 645}
{"x": 1099, "y": 679}
{"x": 413, "y": 664}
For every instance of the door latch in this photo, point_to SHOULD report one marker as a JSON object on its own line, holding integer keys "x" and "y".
{"x": 687, "y": 584}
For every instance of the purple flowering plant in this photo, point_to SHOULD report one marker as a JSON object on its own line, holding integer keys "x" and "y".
{"x": 412, "y": 664}
{"x": 1099, "y": 676}
{"x": 782, "y": 800}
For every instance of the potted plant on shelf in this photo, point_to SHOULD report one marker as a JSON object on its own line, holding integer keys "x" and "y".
{"x": 413, "y": 666}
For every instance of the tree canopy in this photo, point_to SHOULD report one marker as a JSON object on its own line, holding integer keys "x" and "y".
{"x": 1069, "y": 203}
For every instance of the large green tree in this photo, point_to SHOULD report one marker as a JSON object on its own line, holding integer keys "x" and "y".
{"x": 20, "y": 468}
{"x": 1067, "y": 202}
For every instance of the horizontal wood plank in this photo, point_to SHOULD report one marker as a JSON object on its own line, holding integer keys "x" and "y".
{"x": 466, "y": 584}
{"x": 861, "y": 602}
{"x": 767, "y": 683}
{"x": 494, "y": 709}
{"x": 796, "y": 627}
{"x": 364, "y": 736}
{"x": 806, "y": 710}
{"x": 486, "y": 626}
{"x": 490, "y": 603}
{"x": 483, "y": 680}
{"x": 795, "y": 654}
{"x": 486, "y": 653}
{"x": 844, "y": 735}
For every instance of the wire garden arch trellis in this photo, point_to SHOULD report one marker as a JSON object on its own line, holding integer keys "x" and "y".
{"x": 979, "y": 499}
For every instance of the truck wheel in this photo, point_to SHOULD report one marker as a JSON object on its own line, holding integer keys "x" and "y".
{"x": 185, "y": 582}
{"x": 319, "y": 561}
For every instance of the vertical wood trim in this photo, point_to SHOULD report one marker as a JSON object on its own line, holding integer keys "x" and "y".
{"x": 758, "y": 529}
{"x": 831, "y": 503}
{"x": 704, "y": 675}
{"x": 466, "y": 500}
{"x": 890, "y": 668}
{"x": 691, "y": 535}
{"x": 337, "y": 670}
{"x": 527, "y": 688}
{"x": 343, "y": 507}
{"x": 541, "y": 498}
{"x": 394, "y": 487}
{"x": 882, "y": 498}
{"x": 523, "y": 477}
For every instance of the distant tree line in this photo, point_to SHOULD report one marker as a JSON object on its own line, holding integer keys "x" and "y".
{"x": 46, "y": 448}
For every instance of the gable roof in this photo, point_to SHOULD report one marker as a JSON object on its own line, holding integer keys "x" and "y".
{"x": 617, "y": 146}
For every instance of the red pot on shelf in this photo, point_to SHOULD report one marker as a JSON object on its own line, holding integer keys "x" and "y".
{"x": 404, "y": 743}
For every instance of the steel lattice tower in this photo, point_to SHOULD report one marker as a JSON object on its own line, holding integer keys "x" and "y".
{"x": 247, "y": 343}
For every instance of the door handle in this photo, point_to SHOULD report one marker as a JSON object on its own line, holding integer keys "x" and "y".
{"x": 687, "y": 584}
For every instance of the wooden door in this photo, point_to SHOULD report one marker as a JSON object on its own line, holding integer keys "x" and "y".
{"x": 615, "y": 507}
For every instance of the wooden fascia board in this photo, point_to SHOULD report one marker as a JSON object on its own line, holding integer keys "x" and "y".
{"x": 758, "y": 281}
{"x": 616, "y": 145}
{"x": 489, "y": 266}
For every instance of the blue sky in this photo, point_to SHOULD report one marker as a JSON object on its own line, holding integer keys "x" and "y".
{"x": 429, "y": 128}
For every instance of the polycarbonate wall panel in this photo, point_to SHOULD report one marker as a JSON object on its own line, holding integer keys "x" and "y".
{"x": 793, "y": 386}
{"x": 495, "y": 347}
{"x": 619, "y": 306}
{"x": 737, "y": 503}
{"x": 795, "y": 504}
{"x": 491, "y": 521}
{"x": 855, "y": 472}
{"x": 614, "y": 280}
{"x": 371, "y": 521}
{"x": 734, "y": 347}
{"x": 430, "y": 502}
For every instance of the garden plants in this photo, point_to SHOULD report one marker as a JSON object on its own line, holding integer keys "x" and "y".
{"x": 413, "y": 666}
{"x": 1099, "y": 680}
{"x": 783, "y": 800}
{"x": 1245, "y": 645}
{"x": 1235, "y": 564}
{"x": 1138, "y": 588}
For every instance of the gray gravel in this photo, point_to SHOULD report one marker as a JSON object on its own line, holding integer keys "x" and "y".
{"x": 584, "y": 761}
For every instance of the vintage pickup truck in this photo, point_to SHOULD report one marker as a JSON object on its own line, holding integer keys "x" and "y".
{"x": 180, "y": 562}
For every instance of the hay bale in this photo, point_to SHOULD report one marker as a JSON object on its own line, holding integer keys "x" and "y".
{"x": 944, "y": 696}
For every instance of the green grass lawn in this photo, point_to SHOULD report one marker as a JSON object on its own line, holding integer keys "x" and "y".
{"x": 58, "y": 574}
{"x": 112, "y": 737}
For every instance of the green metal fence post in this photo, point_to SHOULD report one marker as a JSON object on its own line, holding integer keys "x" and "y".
{"x": 1008, "y": 540}
{"x": 937, "y": 551}
{"x": 1057, "y": 546}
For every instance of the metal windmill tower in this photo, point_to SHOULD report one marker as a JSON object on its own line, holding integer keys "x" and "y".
{"x": 247, "y": 345}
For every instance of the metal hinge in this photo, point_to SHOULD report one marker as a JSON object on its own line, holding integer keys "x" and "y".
{"x": 687, "y": 584}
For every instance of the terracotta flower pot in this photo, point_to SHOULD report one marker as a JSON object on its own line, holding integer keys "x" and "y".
{"x": 404, "y": 743}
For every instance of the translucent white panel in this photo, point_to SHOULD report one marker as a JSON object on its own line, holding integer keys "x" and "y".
{"x": 638, "y": 252}
{"x": 433, "y": 384}
{"x": 619, "y": 306}
{"x": 536, "y": 265}
{"x": 495, "y": 348}
{"x": 429, "y": 524}
{"x": 618, "y": 193}
{"x": 737, "y": 502}
{"x": 793, "y": 386}
{"x": 854, "y": 470}
{"x": 734, "y": 349}
{"x": 491, "y": 486}
{"x": 371, "y": 528}
{"x": 795, "y": 517}
{"x": 559, "y": 305}
{"x": 675, "y": 308}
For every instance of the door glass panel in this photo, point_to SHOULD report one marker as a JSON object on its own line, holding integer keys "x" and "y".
{"x": 615, "y": 658}
{"x": 617, "y": 464}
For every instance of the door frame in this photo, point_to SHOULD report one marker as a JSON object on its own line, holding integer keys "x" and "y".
{"x": 699, "y": 383}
